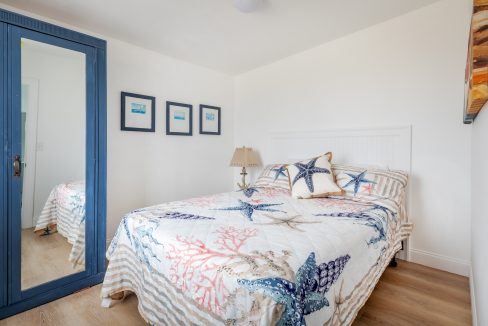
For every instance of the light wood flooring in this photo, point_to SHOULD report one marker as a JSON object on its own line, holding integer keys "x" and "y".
{"x": 44, "y": 258}
{"x": 409, "y": 294}
{"x": 412, "y": 294}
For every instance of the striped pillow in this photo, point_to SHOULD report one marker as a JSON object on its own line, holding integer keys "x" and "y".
{"x": 273, "y": 176}
{"x": 371, "y": 184}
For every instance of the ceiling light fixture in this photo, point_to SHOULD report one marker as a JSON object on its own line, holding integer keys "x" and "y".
{"x": 247, "y": 5}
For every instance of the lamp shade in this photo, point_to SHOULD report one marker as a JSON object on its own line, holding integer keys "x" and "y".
{"x": 244, "y": 157}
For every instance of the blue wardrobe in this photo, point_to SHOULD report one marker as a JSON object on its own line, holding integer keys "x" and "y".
{"x": 53, "y": 163}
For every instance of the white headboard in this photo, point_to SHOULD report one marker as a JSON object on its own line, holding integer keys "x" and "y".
{"x": 381, "y": 147}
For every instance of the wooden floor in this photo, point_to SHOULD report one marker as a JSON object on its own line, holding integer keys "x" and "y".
{"x": 409, "y": 294}
{"x": 44, "y": 258}
{"x": 412, "y": 294}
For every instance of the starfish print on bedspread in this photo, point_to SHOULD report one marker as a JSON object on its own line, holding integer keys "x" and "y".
{"x": 299, "y": 298}
{"x": 248, "y": 192}
{"x": 291, "y": 222}
{"x": 122, "y": 227}
{"x": 143, "y": 241}
{"x": 164, "y": 213}
{"x": 386, "y": 210}
{"x": 357, "y": 180}
{"x": 78, "y": 206}
{"x": 373, "y": 221}
{"x": 306, "y": 171}
{"x": 247, "y": 209}
{"x": 279, "y": 171}
{"x": 183, "y": 216}
{"x": 377, "y": 225}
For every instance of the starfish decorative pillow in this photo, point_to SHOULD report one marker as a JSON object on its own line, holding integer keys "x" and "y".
{"x": 313, "y": 178}
{"x": 371, "y": 184}
{"x": 273, "y": 176}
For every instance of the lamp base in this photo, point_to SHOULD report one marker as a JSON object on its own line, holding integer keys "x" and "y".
{"x": 244, "y": 185}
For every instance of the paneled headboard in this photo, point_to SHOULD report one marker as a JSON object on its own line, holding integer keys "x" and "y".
{"x": 381, "y": 147}
{"x": 388, "y": 148}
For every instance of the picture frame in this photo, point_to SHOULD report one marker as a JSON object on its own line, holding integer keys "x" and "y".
{"x": 179, "y": 119}
{"x": 210, "y": 120}
{"x": 137, "y": 112}
{"x": 476, "y": 74}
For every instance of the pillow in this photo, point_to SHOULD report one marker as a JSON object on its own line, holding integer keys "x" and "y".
{"x": 273, "y": 176}
{"x": 371, "y": 184}
{"x": 313, "y": 178}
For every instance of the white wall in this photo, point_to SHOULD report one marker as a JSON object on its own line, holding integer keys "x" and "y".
{"x": 406, "y": 71}
{"x": 479, "y": 219}
{"x": 152, "y": 168}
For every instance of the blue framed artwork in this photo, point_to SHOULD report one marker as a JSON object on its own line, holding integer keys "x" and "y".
{"x": 179, "y": 119}
{"x": 209, "y": 120}
{"x": 137, "y": 112}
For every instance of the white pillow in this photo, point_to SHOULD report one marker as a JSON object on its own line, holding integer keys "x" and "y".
{"x": 313, "y": 178}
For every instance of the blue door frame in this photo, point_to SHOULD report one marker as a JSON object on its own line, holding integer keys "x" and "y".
{"x": 3, "y": 166}
{"x": 13, "y": 27}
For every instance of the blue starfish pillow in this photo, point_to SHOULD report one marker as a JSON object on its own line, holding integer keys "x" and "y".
{"x": 273, "y": 176}
{"x": 372, "y": 184}
{"x": 313, "y": 178}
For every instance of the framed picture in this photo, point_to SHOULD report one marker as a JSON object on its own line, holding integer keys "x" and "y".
{"x": 179, "y": 119}
{"x": 137, "y": 112}
{"x": 209, "y": 120}
{"x": 476, "y": 76}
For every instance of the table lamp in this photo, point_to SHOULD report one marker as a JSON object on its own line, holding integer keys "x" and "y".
{"x": 244, "y": 157}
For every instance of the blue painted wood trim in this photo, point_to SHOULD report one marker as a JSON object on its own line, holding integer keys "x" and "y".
{"x": 91, "y": 152}
{"x": 15, "y": 35}
{"x": 13, "y": 253}
{"x": 3, "y": 167}
{"x": 91, "y": 162}
{"x": 50, "y": 29}
{"x": 101, "y": 166}
{"x": 50, "y": 296}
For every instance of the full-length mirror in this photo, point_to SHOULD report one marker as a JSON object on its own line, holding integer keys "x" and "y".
{"x": 52, "y": 160}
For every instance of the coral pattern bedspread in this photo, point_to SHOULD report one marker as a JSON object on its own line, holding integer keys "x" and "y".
{"x": 254, "y": 258}
{"x": 65, "y": 208}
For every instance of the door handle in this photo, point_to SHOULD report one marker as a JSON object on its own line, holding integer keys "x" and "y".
{"x": 17, "y": 168}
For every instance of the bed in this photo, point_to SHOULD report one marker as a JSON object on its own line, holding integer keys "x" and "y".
{"x": 64, "y": 211}
{"x": 260, "y": 257}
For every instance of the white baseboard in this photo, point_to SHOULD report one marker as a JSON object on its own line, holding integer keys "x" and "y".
{"x": 473, "y": 298}
{"x": 445, "y": 263}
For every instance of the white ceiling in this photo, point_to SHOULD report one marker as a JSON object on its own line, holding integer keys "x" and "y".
{"x": 213, "y": 33}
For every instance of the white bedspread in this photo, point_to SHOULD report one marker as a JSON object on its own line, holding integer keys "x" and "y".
{"x": 258, "y": 258}
{"x": 65, "y": 208}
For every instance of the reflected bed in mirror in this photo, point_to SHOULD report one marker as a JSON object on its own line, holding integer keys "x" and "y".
{"x": 61, "y": 225}
{"x": 53, "y": 102}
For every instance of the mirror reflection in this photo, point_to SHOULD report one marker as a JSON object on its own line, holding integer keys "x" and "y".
{"x": 53, "y": 106}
